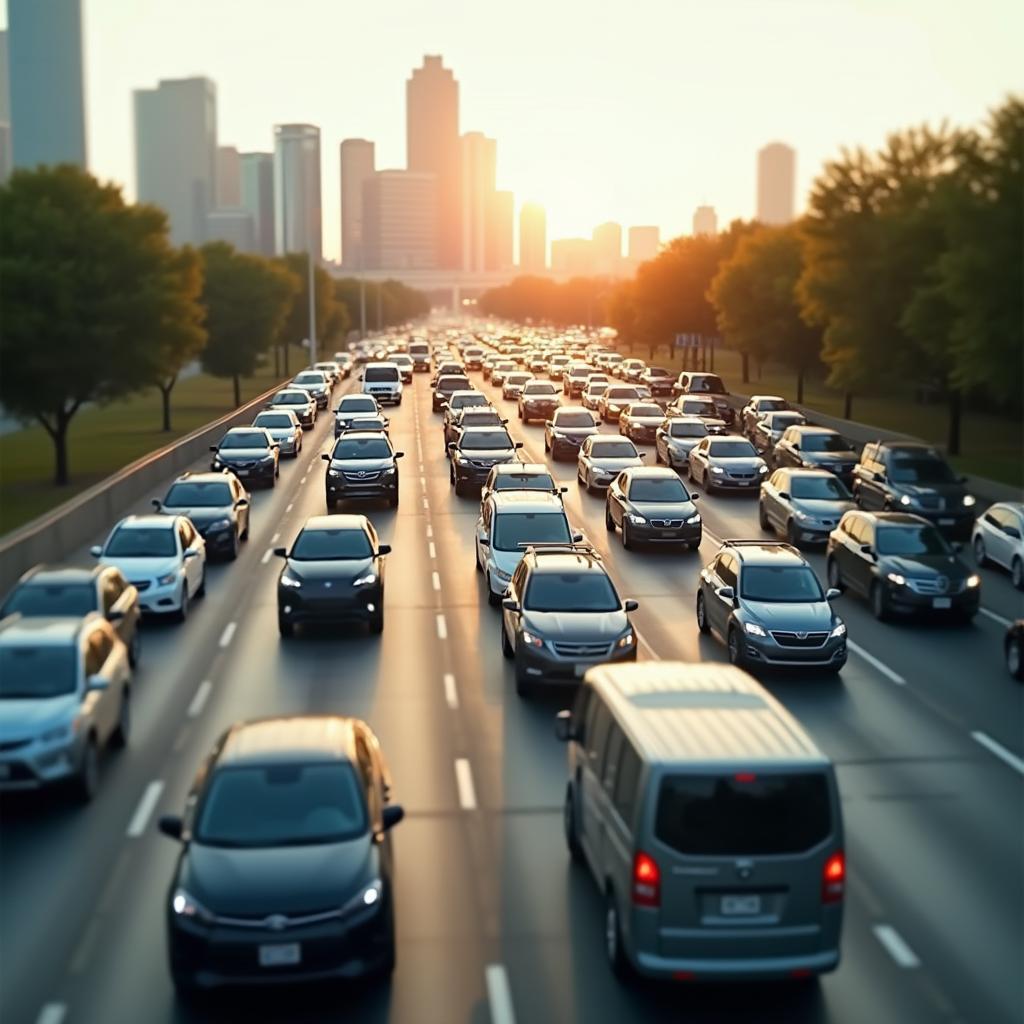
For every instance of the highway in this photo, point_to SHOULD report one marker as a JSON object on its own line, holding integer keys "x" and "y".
{"x": 494, "y": 922}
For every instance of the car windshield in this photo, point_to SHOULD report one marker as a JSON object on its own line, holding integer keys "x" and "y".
{"x": 731, "y": 450}
{"x": 646, "y": 410}
{"x": 482, "y": 418}
{"x": 33, "y": 673}
{"x": 570, "y": 592}
{"x": 273, "y": 419}
{"x": 281, "y": 805}
{"x": 317, "y": 545}
{"x": 613, "y": 450}
{"x": 574, "y": 419}
{"x": 921, "y": 471}
{"x": 780, "y": 421}
{"x": 524, "y": 482}
{"x": 540, "y": 389}
{"x": 291, "y": 398}
{"x": 199, "y": 495}
{"x": 381, "y": 374}
{"x": 32, "y": 599}
{"x": 467, "y": 401}
{"x": 477, "y": 441}
{"x": 687, "y": 430}
{"x": 824, "y": 443}
{"x": 910, "y": 540}
{"x": 245, "y": 439}
{"x": 513, "y": 529}
{"x": 780, "y": 583}
{"x": 707, "y": 385}
{"x": 357, "y": 405}
{"x": 771, "y": 404}
{"x": 662, "y": 489}
{"x": 309, "y": 378}
{"x": 622, "y": 394}
{"x": 446, "y": 385}
{"x": 597, "y": 389}
{"x": 362, "y": 448}
{"x": 142, "y": 542}
{"x": 818, "y": 488}
{"x": 518, "y": 378}
{"x": 657, "y": 371}
{"x": 368, "y": 422}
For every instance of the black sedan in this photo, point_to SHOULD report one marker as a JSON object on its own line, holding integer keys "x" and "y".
{"x": 286, "y": 869}
{"x": 477, "y": 450}
{"x": 250, "y": 453}
{"x": 218, "y": 506}
{"x": 652, "y": 505}
{"x": 362, "y": 465}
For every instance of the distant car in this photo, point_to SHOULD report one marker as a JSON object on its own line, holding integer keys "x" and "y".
{"x": 474, "y": 357}
{"x": 659, "y": 380}
{"x": 458, "y": 400}
{"x": 419, "y": 352}
{"x": 471, "y": 416}
{"x": 352, "y": 406}
{"x": 344, "y": 361}
{"x": 592, "y": 394}
{"x": 639, "y": 421}
{"x": 574, "y": 379}
{"x": 538, "y": 400}
{"x": 446, "y": 386}
{"x": 810, "y": 447}
{"x": 557, "y": 365}
{"x": 602, "y": 458}
{"x": 652, "y": 505}
{"x": 703, "y": 408}
{"x": 405, "y": 366}
{"x": 769, "y": 429}
{"x": 615, "y": 399}
{"x": 1013, "y": 649}
{"x": 316, "y": 383}
{"x": 284, "y": 427}
{"x": 251, "y": 453}
{"x": 300, "y": 402}
{"x": 513, "y": 384}
{"x": 331, "y": 369}
{"x": 803, "y": 505}
{"x": 710, "y": 385}
{"x": 500, "y": 370}
{"x": 475, "y": 452}
{"x": 631, "y": 370}
{"x": 997, "y": 538}
{"x": 519, "y": 476}
{"x": 217, "y": 505}
{"x": 726, "y": 463}
{"x": 362, "y": 465}
{"x": 447, "y": 367}
{"x": 676, "y": 437}
{"x": 758, "y": 406}
{"x": 378, "y": 424}
{"x": 383, "y": 380}
{"x": 566, "y": 430}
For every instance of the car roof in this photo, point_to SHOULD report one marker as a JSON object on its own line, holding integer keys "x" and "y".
{"x": 572, "y": 408}
{"x": 350, "y": 434}
{"x": 462, "y": 392}
{"x": 42, "y": 630}
{"x": 148, "y": 522}
{"x": 241, "y": 430}
{"x": 912, "y": 447}
{"x": 678, "y": 712}
{"x": 893, "y": 518}
{"x": 758, "y": 552}
{"x": 562, "y": 559}
{"x": 382, "y": 362}
{"x": 767, "y": 398}
{"x": 356, "y": 395}
{"x": 693, "y": 420}
{"x": 508, "y": 468}
{"x": 728, "y": 437}
{"x": 651, "y": 473}
{"x": 291, "y": 391}
{"x": 285, "y": 740}
{"x": 813, "y": 428}
{"x": 212, "y": 477}
{"x": 336, "y": 521}
{"x": 527, "y": 501}
{"x": 58, "y": 575}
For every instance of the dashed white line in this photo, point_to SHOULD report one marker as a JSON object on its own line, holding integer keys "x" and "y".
{"x": 289, "y": 508}
{"x": 52, "y": 1013}
{"x": 498, "y": 994}
{"x": 274, "y": 539}
{"x": 426, "y": 504}
{"x": 195, "y": 709}
{"x": 435, "y": 581}
{"x": 451, "y": 694}
{"x": 895, "y": 946}
{"x": 892, "y": 676}
{"x": 228, "y": 635}
{"x": 995, "y": 617}
{"x": 432, "y": 550}
{"x": 430, "y": 530}
{"x": 994, "y": 747}
{"x": 464, "y": 782}
{"x": 303, "y": 480}
{"x": 140, "y": 819}
{"x": 442, "y": 628}
{"x": 267, "y": 556}
{"x": 423, "y": 481}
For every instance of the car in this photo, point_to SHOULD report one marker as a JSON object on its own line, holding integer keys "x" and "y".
{"x": 163, "y": 557}
{"x": 445, "y": 387}
{"x": 592, "y": 394}
{"x": 383, "y": 380}
{"x": 557, "y": 365}
{"x": 467, "y": 399}
{"x": 404, "y": 363}
{"x": 1013, "y": 649}
{"x": 536, "y": 363}
{"x": 352, "y": 406}
{"x": 500, "y": 370}
{"x": 538, "y": 400}
{"x": 333, "y": 572}
{"x": 803, "y": 505}
{"x": 509, "y": 521}
{"x": 574, "y": 379}
{"x": 608, "y": 360}
{"x": 475, "y": 452}
{"x": 519, "y": 476}
{"x": 513, "y": 384}
{"x": 651, "y": 505}
{"x": 728, "y": 462}
{"x": 710, "y": 385}
{"x": 362, "y": 465}
{"x": 217, "y": 505}
{"x": 902, "y": 564}
{"x": 379, "y": 424}
{"x": 996, "y": 538}
{"x": 284, "y": 427}
{"x": 639, "y": 421}
{"x": 810, "y": 447}
{"x": 566, "y": 430}
{"x": 332, "y": 371}
{"x": 300, "y": 402}
{"x": 285, "y": 871}
{"x": 909, "y": 476}
{"x": 602, "y": 458}
{"x": 316, "y": 383}
{"x": 419, "y": 352}
{"x": 447, "y": 367}
{"x": 659, "y": 381}
{"x": 474, "y": 357}
{"x": 769, "y": 429}
{"x": 251, "y": 453}
{"x": 65, "y": 694}
{"x": 675, "y": 438}
{"x": 615, "y": 399}
{"x": 562, "y": 615}
{"x": 763, "y": 599}
{"x": 63, "y": 591}
{"x": 710, "y": 822}
{"x": 756, "y": 407}
{"x": 472, "y": 416}
{"x": 631, "y": 370}
{"x": 701, "y": 407}
{"x": 344, "y": 361}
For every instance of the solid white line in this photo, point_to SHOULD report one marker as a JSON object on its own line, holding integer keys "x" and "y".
{"x": 267, "y": 556}
{"x": 432, "y": 550}
{"x": 895, "y": 946}
{"x": 200, "y": 699}
{"x": 442, "y": 628}
{"x": 273, "y": 540}
{"x": 52, "y": 1013}
{"x": 464, "y": 781}
{"x": 451, "y": 695}
{"x": 435, "y": 580}
{"x": 140, "y": 819}
{"x": 498, "y": 994}
{"x": 1002, "y": 620}
{"x": 655, "y": 656}
{"x": 228, "y": 634}
{"x": 999, "y": 750}
{"x": 889, "y": 674}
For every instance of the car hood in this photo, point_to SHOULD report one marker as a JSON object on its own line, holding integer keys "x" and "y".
{"x": 810, "y": 616}
{"x": 142, "y": 567}
{"x": 822, "y": 509}
{"x": 745, "y": 463}
{"x": 925, "y": 565}
{"x": 612, "y": 465}
{"x": 242, "y": 454}
{"x": 276, "y": 880}
{"x": 577, "y": 627}
{"x": 541, "y": 398}
{"x": 367, "y": 465}
{"x": 340, "y": 570}
{"x": 954, "y": 491}
{"x": 665, "y": 509}
{"x": 573, "y": 431}
{"x": 647, "y": 421}
{"x": 829, "y": 458}
{"x": 295, "y": 407}
{"x": 26, "y": 719}
{"x": 202, "y": 516}
{"x": 684, "y": 444}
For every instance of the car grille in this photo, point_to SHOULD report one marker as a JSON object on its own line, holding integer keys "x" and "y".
{"x": 569, "y": 650}
{"x": 19, "y": 772}
{"x": 241, "y": 465}
{"x": 362, "y": 476}
{"x": 931, "y": 501}
{"x": 13, "y": 745}
{"x": 738, "y": 474}
{"x": 278, "y": 922}
{"x": 480, "y": 464}
{"x": 667, "y": 524}
{"x": 140, "y": 585}
{"x": 938, "y": 585}
{"x": 787, "y": 639}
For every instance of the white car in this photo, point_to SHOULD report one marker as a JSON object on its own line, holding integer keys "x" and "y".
{"x": 602, "y": 458}
{"x": 383, "y": 381}
{"x": 163, "y": 557}
{"x": 998, "y": 537}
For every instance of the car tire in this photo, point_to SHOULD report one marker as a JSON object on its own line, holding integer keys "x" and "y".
{"x": 547, "y": 446}
{"x": 734, "y": 642}
{"x": 87, "y": 779}
{"x": 791, "y": 534}
{"x": 833, "y": 574}
{"x": 1014, "y": 657}
{"x": 182, "y": 613}
{"x": 617, "y": 960}
{"x": 393, "y": 500}
{"x": 1017, "y": 573}
{"x": 590, "y": 485}
{"x": 572, "y": 839}
{"x": 627, "y": 539}
{"x": 702, "y": 615}
{"x": 284, "y": 627}
{"x": 376, "y": 622}
{"x": 762, "y": 518}
{"x": 980, "y": 555}
{"x": 524, "y": 686}
{"x": 121, "y": 734}
{"x": 135, "y": 648}
{"x": 609, "y": 522}
{"x": 201, "y": 589}
{"x": 233, "y": 553}
{"x": 879, "y": 604}
{"x": 493, "y": 599}
{"x": 245, "y": 532}
{"x": 506, "y": 647}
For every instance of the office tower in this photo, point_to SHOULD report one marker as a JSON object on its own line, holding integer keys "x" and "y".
{"x": 357, "y": 166}
{"x": 176, "y": 153}
{"x": 400, "y": 221}
{"x": 573, "y": 256}
{"x": 257, "y": 172}
{"x": 47, "y": 116}
{"x": 500, "y": 231}
{"x": 479, "y": 168}
{"x": 432, "y": 141}
{"x": 533, "y": 240}
{"x": 5, "y": 113}
{"x": 297, "y": 216}
{"x": 234, "y": 225}
{"x": 607, "y": 248}
{"x": 776, "y": 183}
{"x": 644, "y": 243}
{"x": 229, "y": 177}
{"x": 705, "y": 221}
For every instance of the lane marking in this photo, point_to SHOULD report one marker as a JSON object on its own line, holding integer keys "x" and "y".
{"x": 267, "y": 556}
{"x": 499, "y": 996}
{"x": 303, "y": 480}
{"x": 1002, "y": 620}
{"x": 430, "y": 530}
{"x": 199, "y": 700}
{"x": 140, "y": 819}
{"x": 895, "y": 946}
{"x": 52, "y": 1013}
{"x": 423, "y": 481}
{"x": 273, "y": 540}
{"x": 442, "y": 628}
{"x": 451, "y": 695}
{"x": 228, "y": 634}
{"x": 880, "y": 666}
{"x": 435, "y": 581}
{"x": 289, "y": 508}
{"x": 464, "y": 782}
{"x": 640, "y": 639}
{"x": 432, "y": 550}
{"x": 994, "y": 747}
{"x": 426, "y": 504}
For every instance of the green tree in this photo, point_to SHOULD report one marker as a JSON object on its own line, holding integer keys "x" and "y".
{"x": 247, "y": 299}
{"x": 93, "y": 297}
{"x": 331, "y": 321}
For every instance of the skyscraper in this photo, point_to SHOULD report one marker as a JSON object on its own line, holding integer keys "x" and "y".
{"x": 229, "y": 176}
{"x": 357, "y": 166}
{"x": 297, "y": 212}
{"x": 607, "y": 250}
{"x": 572, "y": 256}
{"x": 479, "y": 169}
{"x": 258, "y": 198}
{"x": 432, "y": 141}
{"x": 176, "y": 153}
{"x": 500, "y": 231}
{"x": 233, "y": 224}
{"x": 644, "y": 243}
{"x": 533, "y": 239}
{"x": 399, "y": 220}
{"x": 46, "y": 82}
{"x": 5, "y": 112}
{"x": 705, "y": 221}
{"x": 776, "y": 183}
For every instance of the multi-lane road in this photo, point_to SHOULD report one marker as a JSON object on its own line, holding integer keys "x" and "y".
{"x": 494, "y": 922}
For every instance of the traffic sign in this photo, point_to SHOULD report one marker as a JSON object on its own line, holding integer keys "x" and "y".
{"x": 687, "y": 341}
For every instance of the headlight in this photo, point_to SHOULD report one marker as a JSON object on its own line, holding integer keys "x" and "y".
{"x": 762, "y": 468}
{"x": 55, "y": 735}
{"x": 368, "y": 896}
{"x": 969, "y": 500}
{"x": 185, "y": 905}
{"x": 802, "y": 516}
{"x": 267, "y": 458}
{"x": 839, "y": 629}
{"x": 612, "y": 407}
{"x": 973, "y": 581}
{"x": 502, "y": 575}
{"x": 895, "y": 577}
{"x": 635, "y": 519}
{"x": 717, "y": 469}
{"x": 905, "y": 499}
{"x": 754, "y": 629}
{"x": 334, "y": 472}
{"x": 364, "y": 581}
{"x": 694, "y": 519}
{"x": 531, "y": 640}
{"x": 626, "y": 640}
{"x": 287, "y": 580}
{"x": 165, "y": 581}
{"x": 388, "y": 471}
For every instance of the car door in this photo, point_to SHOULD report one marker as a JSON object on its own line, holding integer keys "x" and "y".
{"x": 483, "y": 532}
{"x": 772, "y": 502}
{"x": 516, "y": 591}
{"x": 596, "y": 730}
{"x": 862, "y": 563}
{"x": 583, "y": 459}
{"x": 997, "y": 543}
{"x": 720, "y": 608}
{"x": 188, "y": 538}
{"x": 872, "y": 479}
{"x": 699, "y": 461}
{"x": 609, "y": 856}
{"x": 617, "y": 498}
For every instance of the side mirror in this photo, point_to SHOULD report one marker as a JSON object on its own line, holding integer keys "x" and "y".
{"x": 326, "y": 456}
{"x": 485, "y": 542}
{"x": 360, "y": 376}
{"x": 510, "y": 604}
{"x": 114, "y": 615}
{"x": 519, "y": 444}
{"x": 96, "y": 550}
{"x": 242, "y": 503}
{"x": 451, "y": 446}
{"x": 563, "y": 490}
{"x": 391, "y": 816}
{"x": 157, "y": 504}
{"x": 957, "y": 546}
{"x": 190, "y": 552}
{"x": 630, "y": 605}
{"x": 794, "y": 445}
{"x": 399, "y": 455}
{"x": 170, "y": 825}
{"x": 563, "y": 726}
{"x": 384, "y": 549}
{"x": 866, "y": 549}
{"x": 97, "y": 684}
{"x": 281, "y": 552}
{"x": 832, "y": 593}
{"x": 694, "y": 497}
{"x": 504, "y": 423}
{"x": 213, "y": 447}
{"x": 727, "y": 593}
{"x": 784, "y": 494}
{"x": 275, "y": 445}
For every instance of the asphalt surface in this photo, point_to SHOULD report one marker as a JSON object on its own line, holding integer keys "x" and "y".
{"x": 494, "y": 923}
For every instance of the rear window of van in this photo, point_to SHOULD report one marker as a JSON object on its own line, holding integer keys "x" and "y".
{"x": 381, "y": 374}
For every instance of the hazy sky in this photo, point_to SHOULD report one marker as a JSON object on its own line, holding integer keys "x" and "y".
{"x": 634, "y": 110}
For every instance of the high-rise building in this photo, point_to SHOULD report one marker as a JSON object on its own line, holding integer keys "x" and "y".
{"x": 500, "y": 231}
{"x": 776, "y": 183}
{"x": 176, "y": 153}
{"x": 5, "y": 112}
{"x": 705, "y": 221}
{"x": 357, "y": 166}
{"x": 644, "y": 243}
{"x": 533, "y": 239}
{"x": 47, "y": 100}
{"x": 479, "y": 170}
{"x": 258, "y": 198}
{"x": 607, "y": 248}
{"x": 572, "y": 256}
{"x": 400, "y": 221}
{"x": 432, "y": 141}
{"x": 229, "y": 177}
{"x": 297, "y": 211}
{"x": 232, "y": 224}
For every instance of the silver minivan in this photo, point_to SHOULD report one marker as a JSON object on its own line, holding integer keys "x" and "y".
{"x": 710, "y": 822}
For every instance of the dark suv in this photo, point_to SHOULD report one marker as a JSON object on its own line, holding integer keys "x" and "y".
{"x": 808, "y": 447}
{"x": 475, "y": 452}
{"x": 764, "y": 600}
{"x": 362, "y": 465}
{"x": 218, "y": 506}
{"x": 907, "y": 476}
{"x": 709, "y": 384}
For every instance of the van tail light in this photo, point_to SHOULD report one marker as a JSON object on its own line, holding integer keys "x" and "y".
{"x": 646, "y": 881}
{"x": 833, "y": 878}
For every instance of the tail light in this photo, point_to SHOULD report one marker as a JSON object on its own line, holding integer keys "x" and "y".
{"x": 833, "y": 878}
{"x": 646, "y": 881}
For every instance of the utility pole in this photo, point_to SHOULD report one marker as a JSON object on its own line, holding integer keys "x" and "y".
{"x": 312, "y": 301}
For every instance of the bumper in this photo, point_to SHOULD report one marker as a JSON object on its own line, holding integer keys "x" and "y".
{"x": 753, "y": 969}
{"x": 322, "y": 400}
{"x": 289, "y": 447}
{"x": 644, "y": 434}
{"x": 294, "y": 606}
{"x": 219, "y": 541}
{"x": 539, "y": 410}
{"x": 257, "y": 472}
{"x": 903, "y": 599}
{"x": 765, "y": 651}
{"x": 649, "y": 533}
{"x": 566, "y": 446}
{"x": 161, "y": 600}
{"x": 420, "y": 367}
{"x": 475, "y": 475}
{"x": 541, "y": 664}
{"x": 611, "y": 415}
{"x": 35, "y": 765}
{"x": 385, "y": 397}
{"x": 728, "y": 483}
{"x": 601, "y": 480}
{"x": 343, "y": 490}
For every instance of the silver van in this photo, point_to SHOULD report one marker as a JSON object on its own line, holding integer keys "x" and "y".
{"x": 710, "y": 822}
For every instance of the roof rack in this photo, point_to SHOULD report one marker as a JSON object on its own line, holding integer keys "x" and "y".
{"x": 738, "y": 543}
{"x": 554, "y": 547}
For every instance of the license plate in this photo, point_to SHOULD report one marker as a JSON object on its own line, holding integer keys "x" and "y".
{"x": 581, "y": 670}
{"x": 942, "y": 602}
{"x": 946, "y": 522}
{"x": 738, "y": 906}
{"x": 283, "y": 954}
{"x": 5, "y": 771}
{"x": 241, "y": 472}
{"x": 745, "y": 483}
{"x": 668, "y": 533}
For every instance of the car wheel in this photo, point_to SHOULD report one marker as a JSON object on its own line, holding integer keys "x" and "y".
{"x": 791, "y": 534}
{"x": 201, "y": 589}
{"x": 735, "y": 645}
{"x": 524, "y": 686}
{"x": 609, "y": 522}
{"x": 627, "y": 539}
{"x": 613, "y": 940}
{"x": 702, "y": 615}
{"x": 835, "y": 577}
{"x": 879, "y": 603}
{"x": 547, "y": 445}
{"x": 506, "y": 647}
{"x": 183, "y": 609}
{"x": 284, "y": 627}
{"x": 572, "y": 839}
{"x": 1014, "y": 657}
{"x": 119, "y": 738}
{"x": 493, "y": 599}
{"x": 87, "y": 780}
{"x": 233, "y": 553}
{"x": 590, "y": 484}
{"x": 980, "y": 555}
{"x": 135, "y": 648}
{"x": 762, "y": 518}
{"x": 377, "y": 618}
{"x": 245, "y": 532}
{"x": 1017, "y": 573}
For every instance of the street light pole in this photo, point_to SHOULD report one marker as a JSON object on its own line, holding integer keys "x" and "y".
{"x": 312, "y": 301}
